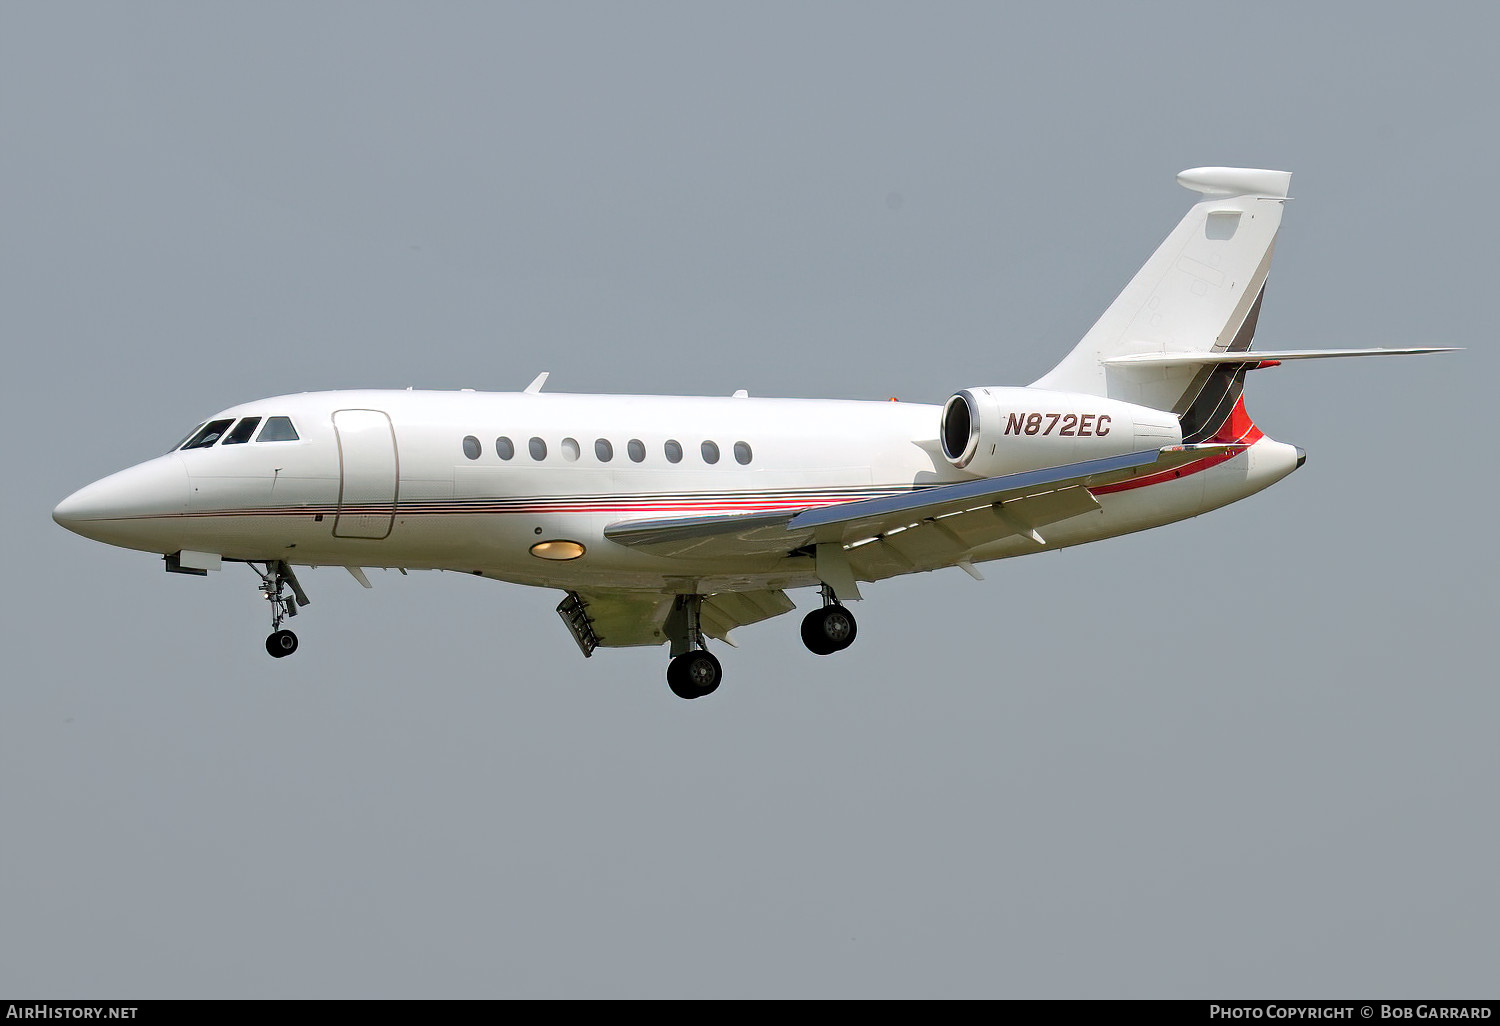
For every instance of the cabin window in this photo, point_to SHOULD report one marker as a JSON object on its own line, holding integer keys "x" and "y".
{"x": 242, "y": 431}
{"x": 505, "y": 448}
{"x": 472, "y": 448}
{"x": 742, "y": 454}
{"x": 538, "y": 449}
{"x": 570, "y": 449}
{"x": 637, "y": 450}
{"x": 603, "y": 450}
{"x": 710, "y": 452}
{"x": 673, "y": 448}
{"x": 208, "y": 434}
{"x": 278, "y": 429}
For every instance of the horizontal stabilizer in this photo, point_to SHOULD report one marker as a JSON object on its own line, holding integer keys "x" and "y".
{"x": 1194, "y": 359}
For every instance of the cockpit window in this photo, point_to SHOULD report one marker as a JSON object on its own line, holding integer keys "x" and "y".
{"x": 278, "y": 429}
{"x": 184, "y": 438}
{"x": 242, "y": 431}
{"x": 208, "y": 434}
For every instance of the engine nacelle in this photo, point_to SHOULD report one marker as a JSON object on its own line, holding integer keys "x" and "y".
{"x": 994, "y": 431}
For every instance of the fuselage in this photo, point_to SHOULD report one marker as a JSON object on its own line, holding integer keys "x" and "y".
{"x": 474, "y": 481}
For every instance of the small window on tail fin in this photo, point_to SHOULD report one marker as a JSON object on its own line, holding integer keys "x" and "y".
{"x": 1220, "y": 224}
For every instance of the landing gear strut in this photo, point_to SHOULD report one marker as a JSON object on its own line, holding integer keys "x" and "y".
{"x": 274, "y": 580}
{"x": 693, "y": 671}
{"x": 829, "y": 629}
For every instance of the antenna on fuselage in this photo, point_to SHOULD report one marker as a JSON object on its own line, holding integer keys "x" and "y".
{"x": 536, "y": 385}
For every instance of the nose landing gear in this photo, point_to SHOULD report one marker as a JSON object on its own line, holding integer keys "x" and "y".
{"x": 274, "y": 580}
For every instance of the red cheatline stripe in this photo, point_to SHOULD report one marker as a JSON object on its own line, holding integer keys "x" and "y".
{"x": 1167, "y": 475}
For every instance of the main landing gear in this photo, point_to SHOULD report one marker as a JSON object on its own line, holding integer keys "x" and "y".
{"x": 829, "y": 629}
{"x": 693, "y": 671}
{"x": 274, "y": 580}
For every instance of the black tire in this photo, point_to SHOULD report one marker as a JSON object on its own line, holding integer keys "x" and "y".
{"x": 828, "y": 630}
{"x": 694, "y": 674}
{"x": 281, "y": 643}
{"x": 678, "y": 682}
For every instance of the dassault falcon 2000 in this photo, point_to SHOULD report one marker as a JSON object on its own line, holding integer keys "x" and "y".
{"x": 672, "y": 520}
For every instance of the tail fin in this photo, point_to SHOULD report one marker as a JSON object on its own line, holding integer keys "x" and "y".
{"x": 1199, "y": 293}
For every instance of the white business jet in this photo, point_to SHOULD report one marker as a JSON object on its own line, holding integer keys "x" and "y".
{"x": 672, "y": 520}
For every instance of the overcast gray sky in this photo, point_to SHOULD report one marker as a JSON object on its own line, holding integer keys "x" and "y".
{"x": 1249, "y": 755}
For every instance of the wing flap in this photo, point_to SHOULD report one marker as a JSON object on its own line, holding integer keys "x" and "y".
{"x": 945, "y": 541}
{"x": 1028, "y": 514}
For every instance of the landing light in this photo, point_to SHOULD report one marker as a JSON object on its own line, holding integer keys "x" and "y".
{"x": 557, "y": 550}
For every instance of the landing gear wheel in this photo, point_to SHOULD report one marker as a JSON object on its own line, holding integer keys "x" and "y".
{"x": 694, "y": 674}
{"x": 281, "y": 643}
{"x": 828, "y": 630}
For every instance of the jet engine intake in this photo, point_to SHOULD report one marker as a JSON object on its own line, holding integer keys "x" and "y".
{"x": 992, "y": 431}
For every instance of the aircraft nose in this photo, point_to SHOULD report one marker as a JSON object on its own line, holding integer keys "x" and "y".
{"x": 156, "y": 487}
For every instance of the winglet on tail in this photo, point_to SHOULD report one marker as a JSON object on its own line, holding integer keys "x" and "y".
{"x": 1236, "y": 181}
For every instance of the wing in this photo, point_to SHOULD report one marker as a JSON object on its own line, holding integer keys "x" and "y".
{"x": 936, "y": 524}
{"x": 620, "y": 619}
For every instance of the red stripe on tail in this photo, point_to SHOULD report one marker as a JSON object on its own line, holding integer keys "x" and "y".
{"x": 1237, "y": 429}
